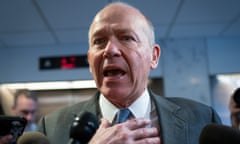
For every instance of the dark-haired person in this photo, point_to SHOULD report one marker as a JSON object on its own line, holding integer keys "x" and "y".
{"x": 234, "y": 106}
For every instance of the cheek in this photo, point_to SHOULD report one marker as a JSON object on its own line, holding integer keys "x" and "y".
{"x": 93, "y": 59}
{"x": 136, "y": 62}
{"x": 141, "y": 59}
{"x": 141, "y": 65}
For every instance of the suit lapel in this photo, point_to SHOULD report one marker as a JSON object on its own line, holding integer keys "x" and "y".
{"x": 91, "y": 106}
{"x": 173, "y": 127}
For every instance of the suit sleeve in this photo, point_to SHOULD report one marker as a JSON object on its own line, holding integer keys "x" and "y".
{"x": 41, "y": 126}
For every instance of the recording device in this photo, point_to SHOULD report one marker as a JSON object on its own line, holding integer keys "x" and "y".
{"x": 33, "y": 138}
{"x": 83, "y": 128}
{"x": 12, "y": 125}
{"x": 219, "y": 134}
{"x": 236, "y": 97}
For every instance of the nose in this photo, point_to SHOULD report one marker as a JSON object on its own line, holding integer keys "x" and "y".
{"x": 112, "y": 49}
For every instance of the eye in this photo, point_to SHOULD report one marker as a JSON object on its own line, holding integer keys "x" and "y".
{"x": 127, "y": 38}
{"x": 98, "y": 41}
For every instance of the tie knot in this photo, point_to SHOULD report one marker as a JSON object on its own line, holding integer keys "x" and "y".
{"x": 123, "y": 115}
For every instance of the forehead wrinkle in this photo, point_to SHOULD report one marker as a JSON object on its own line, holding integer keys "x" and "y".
{"x": 112, "y": 12}
{"x": 101, "y": 28}
{"x": 114, "y": 29}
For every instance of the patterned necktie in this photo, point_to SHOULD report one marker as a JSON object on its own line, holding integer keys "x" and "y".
{"x": 123, "y": 115}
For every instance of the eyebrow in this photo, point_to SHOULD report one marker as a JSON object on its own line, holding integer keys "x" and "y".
{"x": 98, "y": 32}
{"x": 101, "y": 31}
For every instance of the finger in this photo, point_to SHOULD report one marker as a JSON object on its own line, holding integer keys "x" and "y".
{"x": 137, "y": 123}
{"x": 153, "y": 140}
{"x": 6, "y": 139}
{"x": 143, "y": 133}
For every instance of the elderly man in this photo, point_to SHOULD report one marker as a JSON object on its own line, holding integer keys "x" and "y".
{"x": 122, "y": 51}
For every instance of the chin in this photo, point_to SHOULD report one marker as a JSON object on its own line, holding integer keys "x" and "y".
{"x": 107, "y": 90}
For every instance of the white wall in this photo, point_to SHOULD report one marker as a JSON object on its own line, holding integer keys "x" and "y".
{"x": 185, "y": 69}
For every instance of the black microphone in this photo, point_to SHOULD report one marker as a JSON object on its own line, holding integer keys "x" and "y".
{"x": 83, "y": 128}
{"x": 219, "y": 134}
{"x": 33, "y": 138}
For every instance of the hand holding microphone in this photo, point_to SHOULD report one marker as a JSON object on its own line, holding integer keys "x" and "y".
{"x": 6, "y": 139}
{"x": 82, "y": 129}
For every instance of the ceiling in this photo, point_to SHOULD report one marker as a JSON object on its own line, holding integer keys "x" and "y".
{"x": 38, "y": 23}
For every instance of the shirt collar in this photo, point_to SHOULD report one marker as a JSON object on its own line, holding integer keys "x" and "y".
{"x": 139, "y": 108}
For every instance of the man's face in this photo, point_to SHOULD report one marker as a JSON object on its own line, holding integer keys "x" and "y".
{"x": 26, "y": 108}
{"x": 120, "y": 55}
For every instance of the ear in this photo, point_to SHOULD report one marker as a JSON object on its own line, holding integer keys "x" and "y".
{"x": 156, "y": 52}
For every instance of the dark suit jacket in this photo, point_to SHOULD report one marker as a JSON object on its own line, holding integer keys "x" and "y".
{"x": 180, "y": 120}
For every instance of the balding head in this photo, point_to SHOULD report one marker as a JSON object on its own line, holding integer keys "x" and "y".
{"x": 113, "y": 11}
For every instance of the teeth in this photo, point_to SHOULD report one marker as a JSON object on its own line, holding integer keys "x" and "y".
{"x": 113, "y": 73}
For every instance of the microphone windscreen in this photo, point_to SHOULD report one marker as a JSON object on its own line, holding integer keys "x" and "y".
{"x": 219, "y": 134}
{"x": 84, "y": 127}
{"x": 33, "y": 138}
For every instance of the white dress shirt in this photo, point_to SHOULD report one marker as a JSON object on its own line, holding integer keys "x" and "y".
{"x": 141, "y": 107}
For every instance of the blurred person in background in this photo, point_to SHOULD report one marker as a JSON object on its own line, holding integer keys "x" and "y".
{"x": 25, "y": 105}
{"x": 234, "y": 106}
{"x": 1, "y": 108}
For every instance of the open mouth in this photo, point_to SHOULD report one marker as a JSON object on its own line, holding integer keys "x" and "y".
{"x": 113, "y": 72}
